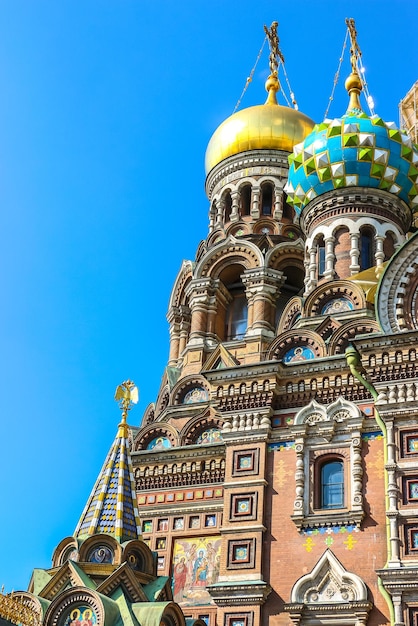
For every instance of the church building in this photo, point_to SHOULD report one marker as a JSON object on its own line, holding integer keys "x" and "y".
{"x": 274, "y": 480}
{"x": 277, "y": 470}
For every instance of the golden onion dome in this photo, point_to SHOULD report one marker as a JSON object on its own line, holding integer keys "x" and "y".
{"x": 268, "y": 126}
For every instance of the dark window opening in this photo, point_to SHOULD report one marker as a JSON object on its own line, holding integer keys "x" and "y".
{"x": 321, "y": 257}
{"x": 366, "y": 249}
{"x": 228, "y": 206}
{"x": 266, "y": 199}
{"x": 246, "y": 200}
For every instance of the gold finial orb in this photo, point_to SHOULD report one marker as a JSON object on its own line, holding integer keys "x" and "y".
{"x": 353, "y": 82}
{"x": 272, "y": 87}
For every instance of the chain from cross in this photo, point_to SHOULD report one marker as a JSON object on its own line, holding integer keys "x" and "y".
{"x": 275, "y": 52}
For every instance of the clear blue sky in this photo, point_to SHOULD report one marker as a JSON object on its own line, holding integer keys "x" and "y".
{"x": 106, "y": 109}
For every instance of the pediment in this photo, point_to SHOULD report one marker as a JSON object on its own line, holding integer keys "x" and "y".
{"x": 220, "y": 358}
{"x": 123, "y": 577}
{"x": 69, "y": 575}
{"x": 329, "y": 582}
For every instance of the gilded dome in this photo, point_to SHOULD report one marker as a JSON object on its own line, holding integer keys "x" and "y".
{"x": 268, "y": 126}
{"x": 354, "y": 150}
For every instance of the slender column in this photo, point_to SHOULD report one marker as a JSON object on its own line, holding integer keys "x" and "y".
{"x": 329, "y": 258}
{"x": 220, "y": 213}
{"x": 174, "y": 319}
{"x": 393, "y": 494}
{"x": 235, "y": 206}
{"x": 198, "y": 293}
{"x": 354, "y": 253}
{"x": 255, "y": 199}
{"x": 357, "y": 471}
{"x": 379, "y": 254}
{"x": 397, "y": 605}
{"x": 299, "y": 478}
{"x": 278, "y": 204}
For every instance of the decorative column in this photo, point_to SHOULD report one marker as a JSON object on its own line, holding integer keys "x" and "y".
{"x": 329, "y": 258}
{"x": 357, "y": 472}
{"x": 298, "y": 511}
{"x": 184, "y": 327}
{"x": 235, "y": 206}
{"x": 255, "y": 205}
{"x": 393, "y": 495}
{"x": 311, "y": 280}
{"x": 262, "y": 288}
{"x": 173, "y": 318}
{"x": 354, "y": 253}
{"x": 278, "y": 204}
{"x": 220, "y": 213}
{"x": 198, "y": 292}
{"x": 379, "y": 254}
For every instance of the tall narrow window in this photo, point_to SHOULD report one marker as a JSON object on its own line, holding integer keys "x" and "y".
{"x": 245, "y": 194}
{"x": 366, "y": 249}
{"x": 228, "y": 206}
{"x": 332, "y": 485}
{"x": 266, "y": 199}
{"x": 236, "y": 318}
{"x": 320, "y": 251}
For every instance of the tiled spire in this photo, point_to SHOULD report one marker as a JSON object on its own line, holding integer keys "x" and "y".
{"x": 112, "y": 506}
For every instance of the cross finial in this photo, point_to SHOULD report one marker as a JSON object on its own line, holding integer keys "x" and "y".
{"x": 275, "y": 52}
{"x": 355, "y": 52}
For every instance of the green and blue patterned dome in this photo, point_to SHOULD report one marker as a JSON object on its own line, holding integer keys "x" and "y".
{"x": 353, "y": 151}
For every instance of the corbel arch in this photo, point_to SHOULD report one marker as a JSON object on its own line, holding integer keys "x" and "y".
{"x": 202, "y": 422}
{"x": 306, "y": 345}
{"x": 186, "y": 386}
{"x": 224, "y": 253}
{"x": 100, "y": 542}
{"x": 154, "y": 431}
{"x": 138, "y": 556}
{"x": 344, "y": 335}
{"x": 178, "y": 296}
{"x": 291, "y": 313}
{"x": 339, "y": 289}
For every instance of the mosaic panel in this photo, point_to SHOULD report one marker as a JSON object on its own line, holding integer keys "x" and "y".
{"x": 196, "y": 562}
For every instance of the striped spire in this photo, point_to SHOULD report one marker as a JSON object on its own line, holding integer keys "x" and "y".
{"x": 112, "y": 506}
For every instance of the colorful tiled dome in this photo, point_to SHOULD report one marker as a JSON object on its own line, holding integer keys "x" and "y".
{"x": 354, "y": 150}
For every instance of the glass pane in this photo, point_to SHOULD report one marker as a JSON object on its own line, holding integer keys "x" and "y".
{"x": 332, "y": 485}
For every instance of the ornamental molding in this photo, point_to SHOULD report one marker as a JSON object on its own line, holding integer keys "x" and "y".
{"x": 329, "y": 582}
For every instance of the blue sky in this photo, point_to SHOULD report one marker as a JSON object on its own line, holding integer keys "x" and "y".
{"x": 106, "y": 109}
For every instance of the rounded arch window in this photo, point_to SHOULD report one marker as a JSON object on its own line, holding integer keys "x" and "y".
{"x": 266, "y": 199}
{"x": 366, "y": 248}
{"x": 245, "y": 198}
{"x": 331, "y": 484}
{"x": 227, "y": 200}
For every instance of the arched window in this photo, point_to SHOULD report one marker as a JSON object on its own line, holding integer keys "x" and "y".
{"x": 288, "y": 214}
{"x": 245, "y": 197}
{"x": 236, "y": 316}
{"x": 366, "y": 248}
{"x": 331, "y": 485}
{"x": 320, "y": 256}
{"x": 266, "y": 199}
{"x": 228, "y": 206}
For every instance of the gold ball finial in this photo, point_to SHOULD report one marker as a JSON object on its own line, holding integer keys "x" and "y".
{"x": 354, "y": 88}
{"x": 272, "y": 87}
{"x": 353, "y": 82}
